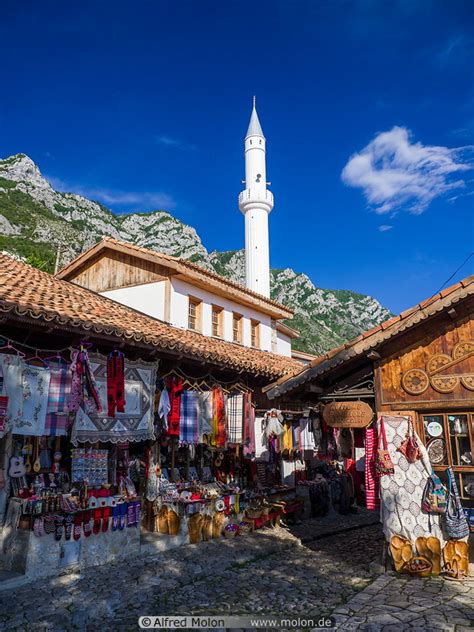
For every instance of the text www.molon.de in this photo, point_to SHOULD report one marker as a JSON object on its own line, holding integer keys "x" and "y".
{"x": 217, "y": 622}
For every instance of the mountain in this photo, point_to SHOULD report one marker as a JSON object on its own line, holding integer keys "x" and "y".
{"x": 40, "y": 224}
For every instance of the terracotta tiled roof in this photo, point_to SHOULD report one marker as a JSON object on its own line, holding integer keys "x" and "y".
{"x": 29, "y": 292}
{"x": 182, "y": 266}
{"x": 374, "y": 337}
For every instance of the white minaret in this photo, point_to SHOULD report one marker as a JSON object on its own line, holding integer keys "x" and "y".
{"x": 256, "y": 202}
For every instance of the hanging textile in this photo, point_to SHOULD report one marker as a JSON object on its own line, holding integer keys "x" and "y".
{"x": 164, "y": 408}
{"x": 175, "y": 390}
{"x": 235, "y": 418}
{"x": 115, "y": 383}
{"x": 83, "y": 387}
{"x": 205, "y": 416}
{"x": 287, "y": 439}
{"x": 218, "y": 418}
{"x": 401, "y": 494}
{"x": 372, "y": 487}
{"x": 306, "y": 435}
{"x": 249, "y": 427}
{"x": 35, "y": 381}
{"x": 189, "y": 418}
{"x": 261, "y": 444}
{"x": 11, "y": 369}
{"x": 57, "y": 415}
{"x": 136, "y": 423}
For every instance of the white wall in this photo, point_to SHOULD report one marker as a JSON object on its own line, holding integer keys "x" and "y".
{"x": 283, "y": 344}
{"x": 148, "y": 298}
{"x": 180, "y": 291}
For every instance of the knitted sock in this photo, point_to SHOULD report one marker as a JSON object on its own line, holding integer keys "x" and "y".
{"x": 49, "y": 524}
{"x": 115, "y": 517}
{"x": 86, "y": 524}
{"x": 77, "y": 526}
{"x": 137, "y": 512}
{"x": 68, "y": 520}
{"x": 58, "y": 527}
{"x": 97, "y": 520}
{"x": 123, "y": 511}
{"x": 105, "y": 519}
{"x": 131, "y": 514}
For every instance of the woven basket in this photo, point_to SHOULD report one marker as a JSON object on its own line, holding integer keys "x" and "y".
{"x": 217, "y": 524}
{"x": 195, "y": 523}
{"x": 231, "y": 530}
{"x": 419, "y": 566}
{"x": 348, "y": 414}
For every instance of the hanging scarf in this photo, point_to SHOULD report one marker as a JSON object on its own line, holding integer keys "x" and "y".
{"x": 83, "y": 387}
{"x": 249, "y": 427}
{"x": 115, "y": 383}
{"x": 189, "y": 418}
{"x": 175, "y": 390}
{"x": 235, "y": 418}
{"x": 218, "y": 418}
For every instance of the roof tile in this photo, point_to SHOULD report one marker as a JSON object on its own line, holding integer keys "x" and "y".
{"x": 28, "y": 291}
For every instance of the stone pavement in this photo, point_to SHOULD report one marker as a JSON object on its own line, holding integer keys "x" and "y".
{"x": 393, "y": 603}
{"x": 266, "y": 573}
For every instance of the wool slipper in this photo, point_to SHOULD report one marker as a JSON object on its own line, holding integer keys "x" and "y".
{"x": 115, "y": 517}
{"x": 97, "y": 521}
{"x": 123, "y": 511}
{"x": 105, "y": 519}
{"x": 58, "y": 527}
{"x": 77, "y": 526}
{"x": 131, "y": 514}
{"x": 49, "y": 524}
{"x": 68, "y": 520}
{"x": 86, "y": 523}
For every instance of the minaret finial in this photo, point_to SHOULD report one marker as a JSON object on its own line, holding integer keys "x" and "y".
{"x": 254, "y": 100}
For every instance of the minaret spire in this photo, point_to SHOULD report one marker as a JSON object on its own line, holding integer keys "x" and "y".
{"x": 256, "y": 202}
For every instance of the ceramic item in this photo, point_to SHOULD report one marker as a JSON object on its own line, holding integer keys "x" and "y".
{"x": 435, "y": 429}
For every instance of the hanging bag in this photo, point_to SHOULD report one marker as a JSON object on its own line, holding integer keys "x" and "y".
{"x": 455, "y": 521}
{"x": 383, "y": 463}
{"x": 409, "y": 447}
{"x": 434, "y": 496}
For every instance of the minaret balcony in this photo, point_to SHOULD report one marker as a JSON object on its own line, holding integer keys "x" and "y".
{"x": 251, "y": 199}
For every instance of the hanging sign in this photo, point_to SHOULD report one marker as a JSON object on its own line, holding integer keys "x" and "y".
{"x": 348, "y": 414}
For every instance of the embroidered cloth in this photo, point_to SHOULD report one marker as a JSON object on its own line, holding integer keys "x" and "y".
{"x": 35, "y": 381}
{"x": 136, "y": 423}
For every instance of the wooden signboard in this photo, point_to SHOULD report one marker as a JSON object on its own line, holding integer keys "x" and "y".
{"x": 348, "y": 414}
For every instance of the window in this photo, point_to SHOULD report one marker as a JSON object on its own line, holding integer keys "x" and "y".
{"x": 255, "y": 333}
{"x": 194, "y": 309}
{"x": 237, "y": 328}
{"x": 217, "y": 321}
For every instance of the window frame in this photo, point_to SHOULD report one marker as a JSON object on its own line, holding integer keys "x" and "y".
{"x": 255, "y": 333}
{"x": 197, "y": 303}
{"x": 217, "y": 311}
{"x": 237, "y": 318}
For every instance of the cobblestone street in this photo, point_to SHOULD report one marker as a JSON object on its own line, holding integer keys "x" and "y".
{"x": 269, "y": 572}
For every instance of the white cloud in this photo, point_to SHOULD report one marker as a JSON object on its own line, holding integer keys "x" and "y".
{"x": 174, "y": 142}
{"x": 383, "y": 228}
{"x": 138, "y": 200}
{"x": 395, "y": 172}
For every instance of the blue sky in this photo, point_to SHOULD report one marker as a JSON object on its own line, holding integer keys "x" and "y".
{"x": 368, "y": 110}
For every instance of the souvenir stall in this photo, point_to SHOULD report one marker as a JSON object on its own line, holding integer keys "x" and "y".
{"x": 416, "y": 458}
{"x": 69, "y": 420}
{"x": 201, "y": 477}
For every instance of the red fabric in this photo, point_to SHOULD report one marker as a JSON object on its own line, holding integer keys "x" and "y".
{"x": 372, "y": 484}
{"x": 115, "y": 383}
{"x": 174, "y": 386}
{"x": 218, "y": 412}
{"x": 350, "y": 467}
